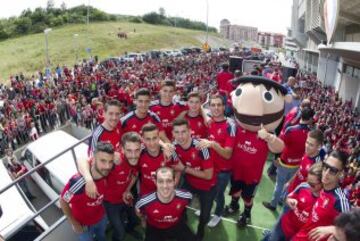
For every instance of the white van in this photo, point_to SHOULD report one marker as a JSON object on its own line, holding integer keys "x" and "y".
{"x": 52, "y": 177}
{"x": 16, "y": 212}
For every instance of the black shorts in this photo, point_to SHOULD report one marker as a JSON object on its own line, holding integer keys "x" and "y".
{"x": 247, "y": 190}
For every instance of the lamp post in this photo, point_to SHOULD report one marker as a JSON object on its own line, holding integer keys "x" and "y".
{"x": 207, "y": 21}
{"x": 76, "y": 47}
{"x": 46, "y": 32}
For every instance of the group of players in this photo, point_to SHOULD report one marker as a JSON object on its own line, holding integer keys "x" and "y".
{"x": 138, "y": 162}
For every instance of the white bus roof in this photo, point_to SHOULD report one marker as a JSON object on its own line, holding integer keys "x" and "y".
{"x": 52, "y": 144}
{"x": 15, "y": 210}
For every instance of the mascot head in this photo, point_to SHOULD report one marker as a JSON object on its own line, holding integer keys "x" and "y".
{"x": 258, "y": 101}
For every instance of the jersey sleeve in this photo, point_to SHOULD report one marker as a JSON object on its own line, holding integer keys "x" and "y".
{"x": 206, "y": 162}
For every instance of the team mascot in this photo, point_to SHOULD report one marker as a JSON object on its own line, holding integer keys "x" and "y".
{"x": 258, "y": 105}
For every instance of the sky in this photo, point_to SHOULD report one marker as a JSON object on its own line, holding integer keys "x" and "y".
{"x": 266, "y": 15}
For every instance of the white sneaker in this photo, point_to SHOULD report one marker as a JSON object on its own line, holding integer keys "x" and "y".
{"x": 197, "y": 213}
{"x": 214, "y": 221}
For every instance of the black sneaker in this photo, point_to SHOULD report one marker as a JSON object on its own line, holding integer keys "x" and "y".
{"x": 243, "y": 220}
{"x": 269, "y": 206}
{"x": 231, "y": 209}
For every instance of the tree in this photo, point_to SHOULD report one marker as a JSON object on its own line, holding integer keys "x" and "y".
{"x": 22, "y": 25}
{"x": 63, "y": 6}
{"x": 162, "y": 12}
{"x": 50, "y": 5}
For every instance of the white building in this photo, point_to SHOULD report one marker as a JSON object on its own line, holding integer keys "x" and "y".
{"x": 336, "y": 62}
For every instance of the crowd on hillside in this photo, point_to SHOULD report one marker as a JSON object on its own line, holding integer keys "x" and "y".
{"x": 32, "y": 107}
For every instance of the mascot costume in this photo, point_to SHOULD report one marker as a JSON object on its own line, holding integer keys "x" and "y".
{"x": 258, "y": 105}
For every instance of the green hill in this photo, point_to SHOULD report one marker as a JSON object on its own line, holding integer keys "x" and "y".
{"x": 27, "y": 54}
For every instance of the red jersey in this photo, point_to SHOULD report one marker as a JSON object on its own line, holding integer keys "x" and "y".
{"x": 102, "y": 134}
{"x": 197, "y": 126}
{"x": 147, "y": 167}
{"x": 293, "y": 220}
{"x": 197, "y": 159}
{"x": 130, "y": 122}
{"x": 292, "y": 118}
{"x": 294, "y": 139}
{"x": 249, "y": 156}
{"x": 167, "y": 114}
{"x": 118, "y": 180}
{"x": 302, "y": 173}
{"x": 326, "y": 208}
{"x": 164, "y": 215}
{"x": 223, "y": 81}
{"x": 223, "y": 132}
{"x": 86, "y": 210}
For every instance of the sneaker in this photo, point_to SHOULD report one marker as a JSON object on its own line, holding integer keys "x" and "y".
{"x": 243, "y": 220}
{"x": 230, "y": 210}
{"x": 215, "y": 220}
{"x": 268, "y": 206}
{"x": 197, "y": 213}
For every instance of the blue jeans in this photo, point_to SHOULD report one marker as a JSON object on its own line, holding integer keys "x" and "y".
{"x": 117, "y": 214}
{"x": 283, "y": 175}
{"x": 276, "y": 234}
{"x": 223, "y": 179}
{"x": 97, "y": 230}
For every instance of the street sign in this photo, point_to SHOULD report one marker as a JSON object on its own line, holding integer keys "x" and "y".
{"x": 206, "y": 47}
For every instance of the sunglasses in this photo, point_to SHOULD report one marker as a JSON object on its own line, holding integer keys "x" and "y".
{"x": 332, "y": 170}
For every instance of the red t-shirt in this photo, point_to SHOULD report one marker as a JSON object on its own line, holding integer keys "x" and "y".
{"x": 326, "y": 208}
{"x": 294, "y": 139}
{"x": 197, "y": 126}
{"x": 197, "y": 159}
{"x": 86, "y": 210}
{"x": 224, "y": 133}
{"x": 223, "y": 81}
{"x": 102, "y": 134}
{"x": 118, "y": 180}
{"x": 167, "y": 114}
{"x": 302, "y": 173}
{"x": 293, "y": 220}
{"x": 147, "y": 167}
{"x": 164, "y": 215}
{"x": 249, "y": 156}
{"x": 130, "y": 122}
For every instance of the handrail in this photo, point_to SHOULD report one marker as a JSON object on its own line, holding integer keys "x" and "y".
{"x": 14, "y": 182}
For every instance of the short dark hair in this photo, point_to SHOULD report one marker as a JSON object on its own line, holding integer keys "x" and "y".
{"x": 307, "y": 114}
{"x": 180, "y": 121}
{"x": 349, "y": 223}
{"x": 106, "y": 147}
{"x": 168, "y": 83}
{"x": 142, "y": 91}
{"x": 317, "y": 135}
{"x": 165, "y": 169}
{"x": 112, "y": 103}
{"x": 217, "y": 96}
{"x": 341, "y": 156}
{"x": 194, "y": 94}
{"x": 131, "y": 136}
{"x": 148, "y": 127}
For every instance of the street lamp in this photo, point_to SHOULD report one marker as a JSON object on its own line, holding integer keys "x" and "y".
{"x": 207, "y": 21}
{"x": 46, "y": 32}
{"x": 76, "y": 47}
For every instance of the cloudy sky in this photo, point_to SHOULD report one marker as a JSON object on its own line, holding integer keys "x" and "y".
{"x": 266, "y": 15}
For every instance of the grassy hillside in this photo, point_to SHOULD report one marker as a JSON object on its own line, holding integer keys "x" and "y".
{"x": 27, "y": 54}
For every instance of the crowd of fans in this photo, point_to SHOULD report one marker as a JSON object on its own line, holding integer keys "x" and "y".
{"x": 31, "y": 107}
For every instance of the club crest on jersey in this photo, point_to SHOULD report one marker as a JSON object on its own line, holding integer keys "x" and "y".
{"x": 178, "y": 206}
{"x": 325, "y": 203}
{"x": 219, "y": 131}
{"x": 199, "y": 124}
{"x": 156, "y": 211}
{"x": 193, "y": 155}
{"x": 172, "y": 112}
{"x": 134, "y": 126}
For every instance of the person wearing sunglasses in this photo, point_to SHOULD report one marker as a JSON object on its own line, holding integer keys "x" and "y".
{"x": 331, "y": 202}
{"x": 300, "y": 201}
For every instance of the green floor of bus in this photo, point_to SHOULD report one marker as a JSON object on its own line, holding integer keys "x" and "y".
{"x": 227, "y": 230}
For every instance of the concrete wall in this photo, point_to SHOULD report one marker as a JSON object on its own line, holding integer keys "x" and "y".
{"x": 349, "y": 88}
{"x": 327, "y": 69}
